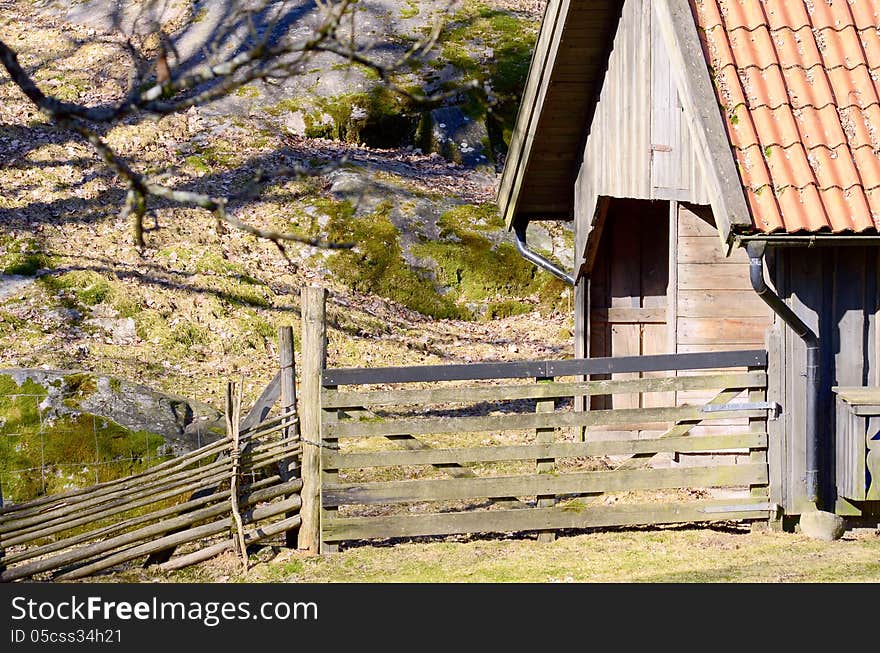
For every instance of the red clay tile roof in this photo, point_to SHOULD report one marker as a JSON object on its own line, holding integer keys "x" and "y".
{"x": 799, "y": 82}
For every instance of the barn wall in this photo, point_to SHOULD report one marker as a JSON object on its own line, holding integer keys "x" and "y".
{"x": 716, "y": 308}
{"x": 639, "y": 144}
{"x": 834, "y": 290}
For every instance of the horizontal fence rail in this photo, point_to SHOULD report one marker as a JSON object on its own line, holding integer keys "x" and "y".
{"x": 544, "y": 369}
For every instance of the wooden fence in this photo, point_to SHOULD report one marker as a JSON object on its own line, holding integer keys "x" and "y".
{"x": 244, "y": 487}
{"x": 499, "y": 447}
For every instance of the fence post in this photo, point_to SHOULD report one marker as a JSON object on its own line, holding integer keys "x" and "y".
{"x": 287, "y": 366}
{"x": 545, "y": 465}
{"x": 314, "y": 350}
{"x": 2, "y": 550}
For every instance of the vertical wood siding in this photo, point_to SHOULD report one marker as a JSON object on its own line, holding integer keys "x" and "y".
{"x": 639, "y": 144}
{"x": 833, "y": 290}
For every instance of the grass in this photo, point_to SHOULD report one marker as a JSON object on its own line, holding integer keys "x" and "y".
{"x": 722, "y": 553}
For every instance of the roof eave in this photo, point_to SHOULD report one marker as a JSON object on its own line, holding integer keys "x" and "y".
{"x": 537, "y": 83}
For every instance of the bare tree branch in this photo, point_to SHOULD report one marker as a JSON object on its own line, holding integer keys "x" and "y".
{"x": 265, "y": 58}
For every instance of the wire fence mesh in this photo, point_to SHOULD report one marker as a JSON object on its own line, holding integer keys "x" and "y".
{"x": 44, "y": 451}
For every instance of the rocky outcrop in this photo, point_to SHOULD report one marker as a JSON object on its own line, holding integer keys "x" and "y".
{"x": 185, "y": 424}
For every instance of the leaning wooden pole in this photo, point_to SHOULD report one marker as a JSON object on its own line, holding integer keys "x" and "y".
{"x": 314, "y": 350}
{"x": 233, "y": 415}
{"x": 287, "y": 365}
{"x": 2, "y": 549}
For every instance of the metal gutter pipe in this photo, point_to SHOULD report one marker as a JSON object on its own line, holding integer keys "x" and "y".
{"x": 755, "y": 250}
{"x": 808, "y": 240}
{"x": 519, "y": 231}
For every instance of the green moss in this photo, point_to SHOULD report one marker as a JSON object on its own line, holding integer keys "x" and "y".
{"x": 21, "y": 256}
{"x": 284, "y": 106}
{"x": 79, "y": 287}
{"x": 377, "y": 265}
{"x": 150, "y": 325}
{"x": 411, "y": 10}
{"x": 476, "y": 270}
{"x": 197, "y": 164}
{"x": 472, "y": 30}
{"x": 506, "y": 308}
{"x": 82, "y": 384}
{"x": 66, "y": 447}
{"x": 189, "y": 334}
{"x": 470, "y": 219}
{"x": 10, "y": 323}
{"x": 380, "y": 118}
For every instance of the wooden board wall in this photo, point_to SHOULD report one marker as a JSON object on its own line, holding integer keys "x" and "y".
{"x": 639, "y": 145}
{"x": 629, "y": 290}
{"x": 716, "y": 308}
{"x": 834, "y": 290}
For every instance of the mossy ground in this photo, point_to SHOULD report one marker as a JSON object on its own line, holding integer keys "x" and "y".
{"x": 22, "y": 256}
{"x": 379, "y": 117}
{"x": 493, "y": 47}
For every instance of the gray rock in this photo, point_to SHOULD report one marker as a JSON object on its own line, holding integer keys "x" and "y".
{"x": 821, "y": 525}
{"x": 185, "y": 424}
{"x": 122, "y": 330}
{"x": 456, "y": 136}
{"x": 11, "y": 284}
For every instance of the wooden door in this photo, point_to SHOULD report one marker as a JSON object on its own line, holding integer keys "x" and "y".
{"x": 628, "y": 291}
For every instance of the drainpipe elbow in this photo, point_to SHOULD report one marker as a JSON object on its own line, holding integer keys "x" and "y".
{"x": 519, "y": 231}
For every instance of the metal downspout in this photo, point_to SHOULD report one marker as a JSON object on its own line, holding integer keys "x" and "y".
{"x": 519, "y": 231}
{"x": 755, "y": 250}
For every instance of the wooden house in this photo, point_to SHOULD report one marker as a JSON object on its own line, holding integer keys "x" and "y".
{"x": 720, "y": 161}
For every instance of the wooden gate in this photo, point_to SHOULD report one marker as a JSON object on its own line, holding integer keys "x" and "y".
{"x": 498, "y": 447}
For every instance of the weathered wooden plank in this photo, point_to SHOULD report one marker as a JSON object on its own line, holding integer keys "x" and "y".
{"x": 452, "y": 469}
{"x": 706, "y": 276}
{"x": 263, "y": 405}
{"x": 359, "y": 429}
{"x": 528, "y": 117}
{"x": 709, "y": 134}
{"x": 658, "y": 363}
{"x": 505, "y": 521}
{"x": 673, "y": 292}
{"x": 626, "y": 341}
{"x": 625, "y": 315}
{"x": 722, "y": 330}
{"x": 551, "y": 368}
{"x": 858, "y": 394}
{"x": 722, "y": 303}
{"x": 707, "y": 249}
{"x": 758, "y": 456}
{"x": 685, "y": 444}
{"x": 655, "y": 340}
{"x": 470, "y": 394}
{"x": 329, "y": 472}
{"x": 692, "y": 224}
{"x": 287, "y": 371}
{"x": 545, "y": 464}
{"x": 154, "y": 531}
{"x": 681, "y": 428}
{"x": 542, "y": 484}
